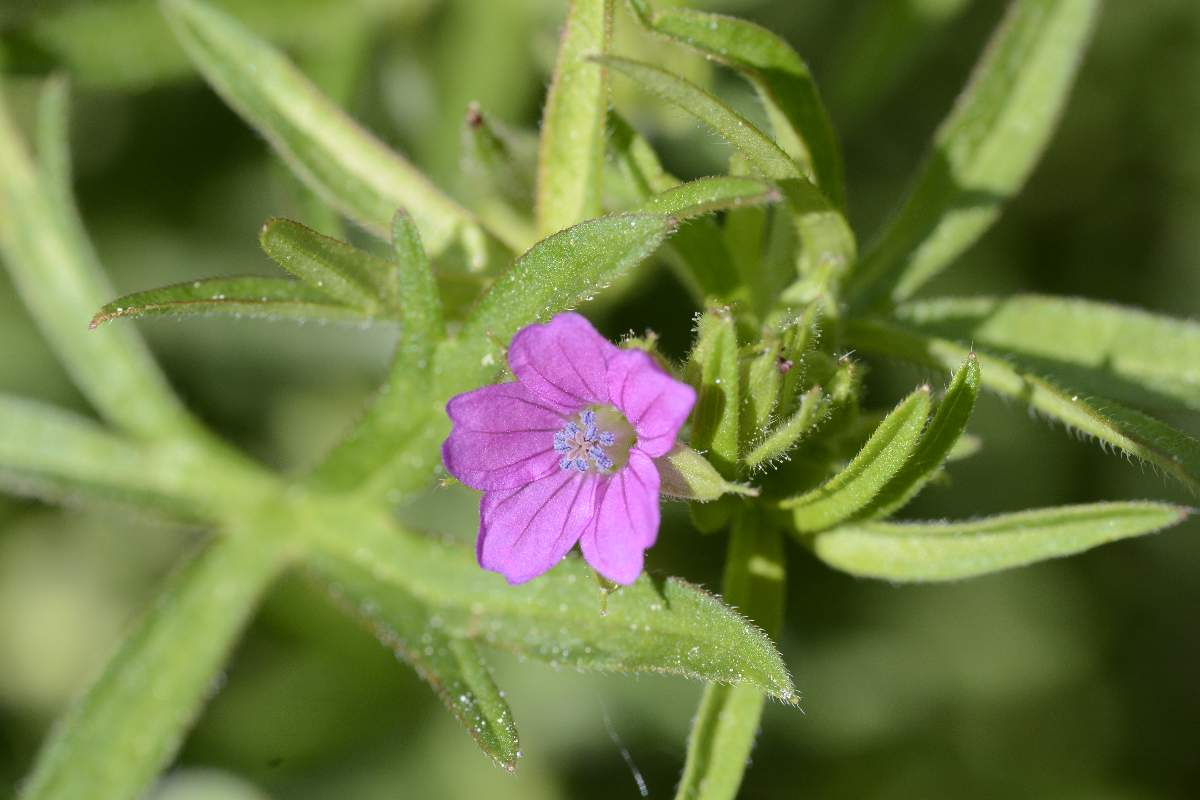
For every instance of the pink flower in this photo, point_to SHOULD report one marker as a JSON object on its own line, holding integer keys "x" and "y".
{"x": 566, "y": 453}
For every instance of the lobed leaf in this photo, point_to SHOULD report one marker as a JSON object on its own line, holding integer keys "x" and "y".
{"x": 942, "y": 551}
{"x": 784, "y": 84}
{"x": 128, "y": 726}
{"x": 571, "y": 151}
{"x": 60, "y": 280}
{"x": 1116, "y": 352}
{"x": 713, "y": 369}
{"x": 724, "y": 728}
{"x": 655, "y": 625}
{"x": 345, "y": 165}
{"x": 853, "y": 489}
{"x": 1173, "y": 452}
{"x": 707, "y": 195}
{"x": 264, "y": 298}
{"x": 937, "y": 442}
{"x": 339, "y": 270}
{"x": 451, "y": 666}
{"x": 984, "y": 150}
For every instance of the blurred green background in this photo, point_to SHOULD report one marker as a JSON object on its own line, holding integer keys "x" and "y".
{"x": 1072, "y": 679}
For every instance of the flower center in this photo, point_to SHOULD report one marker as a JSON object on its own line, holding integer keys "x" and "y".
{"x": 596, "y": 440}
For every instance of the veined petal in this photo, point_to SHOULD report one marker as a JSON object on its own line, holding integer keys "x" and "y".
{"x": 526, "y": 531}
{"x": 503, "y": 437}
{"x": 564, "y": 362}
{"x": 655, "y": 404}
{"x": 626, "y": 521}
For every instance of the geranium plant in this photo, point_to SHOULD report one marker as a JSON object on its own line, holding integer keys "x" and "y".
{"x": 570, "y": 437}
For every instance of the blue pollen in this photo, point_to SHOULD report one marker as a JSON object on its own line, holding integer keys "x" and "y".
{"x": 577, "y": 445}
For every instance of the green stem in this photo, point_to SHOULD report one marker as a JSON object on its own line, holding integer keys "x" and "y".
{"x": 727, "y": 722}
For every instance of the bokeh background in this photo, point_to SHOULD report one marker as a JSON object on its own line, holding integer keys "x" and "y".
{"x": 1072, "y": 679}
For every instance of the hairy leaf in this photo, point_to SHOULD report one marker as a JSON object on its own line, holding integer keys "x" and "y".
{"x": 128, "y": 726}
{"x": 813, "y": 410}
{"x": 265, "y": 298}
{"x": 348, "y": 167}
{"x": 784, "y": 84}
{"x": 1173, "y": 452}
{"x": 883, "y": 456}
{"x": 58, "y": 276}
{"x": 558, "y": 272}
{"x": 571, "y": 152}
{"x": 984, "y": 150}
{"x": 706, "y": 195}
{"x": 346, "y": 274}
{"x": 654, "y": 625}
{"x": 1116, "y": 352}
{"x": 941, "y": 551}
{"x": 940, "y": 436}
{"x": 723, "y": 731}
{"x": 451, "y": 666}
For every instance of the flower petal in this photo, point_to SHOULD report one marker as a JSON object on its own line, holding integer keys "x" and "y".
{"x": 626, "y": 521}
{"x": 655, "y": 404}
{"x": 503, "y": 437}
{"x": 564, "y": 362}
{"x": 526, "y": 531}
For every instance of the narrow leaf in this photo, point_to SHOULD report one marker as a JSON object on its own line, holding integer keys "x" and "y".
{"x": 60, "y": 280}
{"x": 654, "y": 625}
{"x": 343, "y": 163}
{"x": 813, "y": 410}
{"x": 713, "y": 369}
{"x": 723, "y": 731}
{"x": 881, "y": 458}
{"x": 128, "y": 726}
{"x": 984, "y": 150}
{"x": 942, "y": 551}
{"x": 500, "y": 160}
{"x": 571, "y": 151}
{"x": 937, "y": 442}
{"x": 264, "y": 298}
{"x": 339, "y": 270}
{"x": 1116, "y": 352}
{"x": 782, "y": 79}
{"x": 1173, "y": 452}
{"x": 451, "y": 666}
{"x": 706, "y": 195}
{"x": 558, "y": 272}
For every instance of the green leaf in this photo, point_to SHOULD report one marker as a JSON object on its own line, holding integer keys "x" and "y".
{"x": 850, "y": 491}
{"x": 939, "y": 439}
{"x": 128, "y": 726}
{"x": 760, "y": 151}
{"x": 724, "y": 728}
{"x": 571, "y": 152}
{"x": 942, "y": 551}
{"x": 341, "y": 271}
{"x": 813, "y": 410}
{"x": 60, "y": 280}
{"x": 636, "y": 160}
{"x": 263, "y": 298}
{"x": 687, "y": 475}
{"x": 984, "y": 150}
{"x": 500, "y": 160}
{"x": 451, "y": 666}
{"x": 555, "y": 274}
{"x": 1173, "y": 452}
{"x": 344, "y": 164}
{"x": 416, "y": 291}
{"x": 713, "y": 369}
{"x": 53, "y": 454}
{"x": 654, "y": 625}
{"x": 782, "y": 79}
{"x": 1115, "y": 352}
{"x": 707, "y": 195}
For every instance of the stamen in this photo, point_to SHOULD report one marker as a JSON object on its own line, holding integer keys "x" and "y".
{"x": 582, "y": 444}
